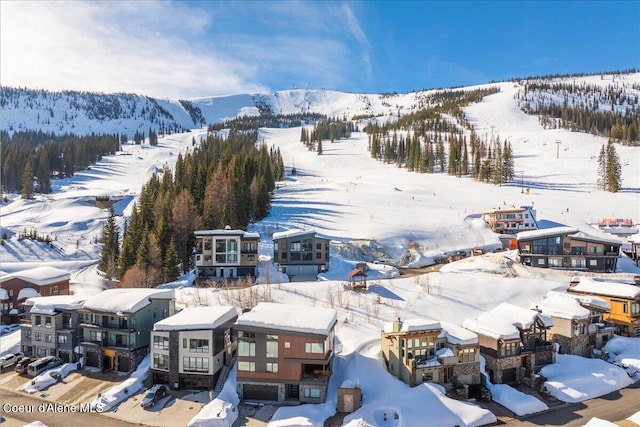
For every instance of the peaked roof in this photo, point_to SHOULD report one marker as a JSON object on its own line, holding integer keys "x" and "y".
{"x": 589, "y": 285}
{"x": 569, "y": 306}
{"x": 125, "y": 300}
{"x": 505, "y": 321}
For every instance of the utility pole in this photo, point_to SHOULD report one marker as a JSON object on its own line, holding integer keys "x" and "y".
{"x": 558, "y": 142}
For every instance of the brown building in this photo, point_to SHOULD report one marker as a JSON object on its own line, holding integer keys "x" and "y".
{"x": 300, "y": 252}
{"x": 568, "y": 248}
{"x": 424, "y": 350}
{"x": 15, "y": 288}
{"x": 285, "y": 352}
{"x": 513, "y": 341}
{"x": 578, "y": 324}
{"x": 226, "y": 254}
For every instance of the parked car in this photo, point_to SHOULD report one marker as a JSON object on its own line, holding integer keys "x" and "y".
{"x": 480, "y": 392}
{"x": 154, "y": 394}
{"x": 21, "y": 365}
{"x": 9, "y": 359}
{"x": 43, "y": 364}
{"x": 5, "y": 329}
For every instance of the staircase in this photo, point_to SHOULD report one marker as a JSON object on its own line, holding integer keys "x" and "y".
{"x": 224, "y": 373}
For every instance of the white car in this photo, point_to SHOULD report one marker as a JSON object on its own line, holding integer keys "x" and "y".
{"x": 9, "y": 359}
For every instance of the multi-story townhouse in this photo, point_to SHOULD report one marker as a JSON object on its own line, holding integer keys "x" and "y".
{"x": 190, "y": 348}
{"x": 568, "y": 248}
{"x": 285, "y": 352}
{"x": 425, "y": 350}
{"x": 226, "y": 254}
{"x": 513, "y": 341}
{"x": 300, "y": 252}
{"x": 51, "y": 327}
{"x": 623, "y": 298}
{"x": 35, "y": 282}
{"x": 578, "y": 324}
{"x": 511, "y": 220}
{"x": 116, "y": 325}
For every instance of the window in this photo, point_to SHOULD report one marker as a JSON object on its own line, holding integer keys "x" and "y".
{"x": 509, "y": 349}
{"x": 207, "y": 245}
{"x": 275, "y": 246}
{"x": 160, "y": 343}
{"x": 249, "y": 247}
{"x": 184, "y": 343}
{"x": 198, "y": 346}
{"x": 318, "y": 255}
{"x": 251, "y": 257}
{"x": 579, "y": 329}
{"x": 555, "y": 262}
{"x": 244, "y": 334}
{"x": 295, "y": 256}
{"x": 314, "y": 347}
{"x": 62, "y": 339}
{"x": 295, "y": 246}
{"x": 312, "y": 393}
{"x": 246, "y": 348}
{"x": 287, "y": 344}
{"x": 161, "y": 361}
{"x": 578, "y": 262}
{"x": 10, "y": 292}
{"x": 593, "y": 262}
{"x": 37, "y": 336}
{"x": 272, "y": 367}
{"x": 207, "y": 258}
{"x": 55, "y": 289}
{"x": 427, "y": 376}
{"x": 221, "y": 245}
{"x": 195, "y": 364}
{"x": 272, "y": 346}
{"x": 96, "y": 336}
{"x": 595, "y": 249}
{"x": 541, "y": 261}
{"x": 467, "y": 355}
{"x": 246, "y": 366}
{"x": 539, "y": 246}
{"x": 578, "y": 250}
{"x": 38, "y": 321}
{"x": 625, "y": 307}
{"x": 27, "y": 334}
{"x": 47, "y": 321}
{"x": 318, "y": 246}
{"x": 47, "y": 338}
{"x": 635, "y": 308}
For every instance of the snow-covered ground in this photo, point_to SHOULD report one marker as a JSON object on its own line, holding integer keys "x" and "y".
{"x": 371, "y": 211}
{"x": 120, "y": 392}
{"x": 45, "y": 379}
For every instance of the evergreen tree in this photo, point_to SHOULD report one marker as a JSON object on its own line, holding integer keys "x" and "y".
{"x": 319, "y": 148}
{"x": 613, "y": 169}
{"x": 170, "y": 264}
{"x": 602, "y": 168}
{"x": 27, "y": 181}
{"x": 110, "y": 240}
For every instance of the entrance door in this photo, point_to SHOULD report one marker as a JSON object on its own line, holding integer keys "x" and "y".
{"x": 108, "y": 359}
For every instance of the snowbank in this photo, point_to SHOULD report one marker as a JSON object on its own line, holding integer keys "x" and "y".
{"x": 124, "y": 390}
{"x": 518, "y": 402}
{"x": 625, "y": 351}
{"x": 221, "y": 411}
{"x": 574, "y": 379}
{"x": 45, "y": 380}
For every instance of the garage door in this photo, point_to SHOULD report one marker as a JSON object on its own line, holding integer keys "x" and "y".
{"x": 259, "y": 392}
{"x": 92, "y": 359}
{"x": 124, "y": 364}
{"x": 509, "y": 376}
{"x": 302, "y": 270}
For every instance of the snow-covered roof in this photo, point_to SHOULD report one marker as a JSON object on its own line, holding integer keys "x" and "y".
{"x": 28, "y": 293}
{"x": 289, "y": 317}
{"x": 635, "y": 238}
{"x": 572, "y": 232}
{"x": 49, "y": 305}
{"x": 545, "y": 232}
{"x": 569, "y": 306}
{"x": 457, "y": 335}
{"x": 4, "y": 295}
{"x": 601, "y": 238}
{"x": 293, "y": 233}
{"x": 194, "y": 318}
{"x": 414, "y": 325}
{"x": 505, "y": 321}
{"x": 606, "y": 287}
{"x": 39, "y": 276}
{"x": 125, "y": 300}
{"x": 227, "y": 232}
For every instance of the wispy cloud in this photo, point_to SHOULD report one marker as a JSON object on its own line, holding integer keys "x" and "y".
{"x": 174, "y": 49}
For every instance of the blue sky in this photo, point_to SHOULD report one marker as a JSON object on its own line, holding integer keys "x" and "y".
{"x": 190, "y": 49}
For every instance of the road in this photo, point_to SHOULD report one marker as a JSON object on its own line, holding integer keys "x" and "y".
{"x": 50, "y": 418}
{"x": 615, "y": 406}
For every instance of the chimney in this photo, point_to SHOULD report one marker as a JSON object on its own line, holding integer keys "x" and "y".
{"x": 397, "y": 325}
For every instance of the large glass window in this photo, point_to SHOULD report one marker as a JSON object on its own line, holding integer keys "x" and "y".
{"x": 509, "y": 349}
{"x": 313, "y": 393}
{"x": 160, "y": 361}
{"x": 38, "y": 320}
{"x": 595, "y": 249}
{"x": 314, "y": 347}
{"x": 272, "y": 346}
{"x": 578, "y": 262}
{"x": 554, "y": 245}
{"x": 246, "y": 348}
{"x": 221, "y": 245}
{"x": 195, "y": 364}
{"x": 161, "y": 343}
{"x": 635, "y": 308}
{"x": 246, "y": 366}
{"x": 539, "y": 246}
{"x": 272, "y": 367}
{"x": 62, "y": 339}
{"x": 467, "y": 355}
{"x": 295, "y": 246}
{"x": 198, "y": 346}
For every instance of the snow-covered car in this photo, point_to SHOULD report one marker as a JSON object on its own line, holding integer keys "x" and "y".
{"x": 9, "y": 359}
{"x": 154, "y": 394}
{"x": 5, "y": 329}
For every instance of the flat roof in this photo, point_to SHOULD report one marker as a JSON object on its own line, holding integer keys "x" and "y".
{"x": 605, "y": 287}
{"x": 290, "y": 317}
{"x": 194, "y": 318}
{"x": 226, "y": 232}
{"x": 49, "y": 305}
{"x": 125, "y": 300}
